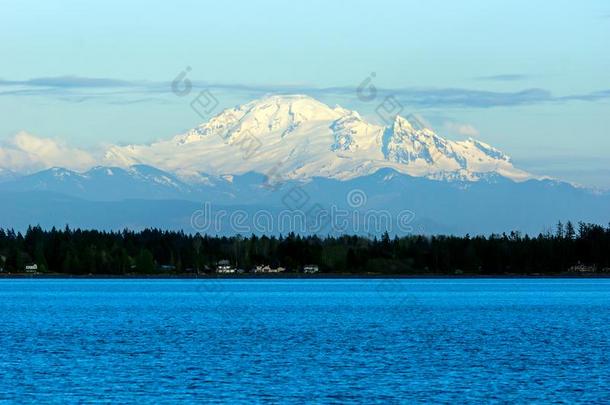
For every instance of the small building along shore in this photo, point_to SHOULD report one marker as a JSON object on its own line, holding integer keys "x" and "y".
{"x": 31, "y": 268}
{"x": 266, "y": 269}
{"x": 311, "y": 269}
{"x": 225, "y": 267}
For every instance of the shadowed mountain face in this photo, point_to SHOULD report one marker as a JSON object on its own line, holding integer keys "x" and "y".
{"x": 294, "y": 154}
{"x": 111, "y": 198}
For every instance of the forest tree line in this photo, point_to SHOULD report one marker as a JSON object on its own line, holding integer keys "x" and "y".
{"x": 153, "y": 251}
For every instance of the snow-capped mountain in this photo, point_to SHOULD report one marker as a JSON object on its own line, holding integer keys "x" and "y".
{"x": 301, "y": 138}
{"x": 103, "y": 183}
{"x": 325, "y": 153}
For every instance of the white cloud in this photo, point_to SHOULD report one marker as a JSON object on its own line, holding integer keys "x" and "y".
{"x": 26, "y": 153}
{"x": 460, "y": 129}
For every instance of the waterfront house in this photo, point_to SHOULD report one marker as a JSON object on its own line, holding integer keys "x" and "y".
{"x": 265, "y": 268}
{"x": 31, "y": 268}
{"x": 311, "y": 269}
{"x": 262, "y": 268}
{"x": 278, "y": 269}
{"x": 224, "y": 267}
{"x": 581, "y": 268}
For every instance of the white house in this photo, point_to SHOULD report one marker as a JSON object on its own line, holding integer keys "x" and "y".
{"x": 31, "y": 268}
{"x": 268, "y": 269}
{"x": 311, "y": 269}
{"x": 581, "y": 268}
{"x": 277, "y": 270}
{"x": 262, "y": 268}
{"x": 224, "y": 267}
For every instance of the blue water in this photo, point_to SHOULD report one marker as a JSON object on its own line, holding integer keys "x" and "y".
{"x": 331, "y": 341}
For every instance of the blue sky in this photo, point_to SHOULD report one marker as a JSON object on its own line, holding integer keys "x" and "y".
{"x": 531, "y": 78}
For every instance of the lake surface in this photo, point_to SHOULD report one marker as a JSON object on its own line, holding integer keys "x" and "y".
{"x": 338, "y": 341}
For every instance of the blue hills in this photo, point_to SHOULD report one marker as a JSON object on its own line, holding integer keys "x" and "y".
{"x": 143, "y": 196}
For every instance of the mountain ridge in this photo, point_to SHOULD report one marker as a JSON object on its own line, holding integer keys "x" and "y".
{"x": 309, "y": 153}
{"x": 491, "y": 205}
{"x": 309, "y": 138}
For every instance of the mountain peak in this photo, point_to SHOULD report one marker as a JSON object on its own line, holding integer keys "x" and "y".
{"x": 298, "y": 106}
{"x": 281, "y": 114}
{"x": 401, "y": 123}
{"x": 285, "y": 99}
{"x": 301, "y": 138}
{"x": 412, "y": 123}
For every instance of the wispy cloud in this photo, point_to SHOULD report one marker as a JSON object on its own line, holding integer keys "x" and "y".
{"x": 595, "y": 96}
{"x": 70, "y": 82}
{"x": 76, "y": 89}
{"x": 456, "y": 97}
{"x": 460, "y": 128}
{"x": 504, "y": 78}
{"x": 115, "y": 91}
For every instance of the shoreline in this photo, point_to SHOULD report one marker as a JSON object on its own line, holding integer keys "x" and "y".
{"x": 297, "y": 276}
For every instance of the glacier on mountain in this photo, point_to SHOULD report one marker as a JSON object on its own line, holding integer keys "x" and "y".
{"x": 307, "y": 138}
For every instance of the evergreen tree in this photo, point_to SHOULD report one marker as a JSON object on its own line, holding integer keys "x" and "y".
{"x": 145, "y": 262}
{"x": 570, "y": 233}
